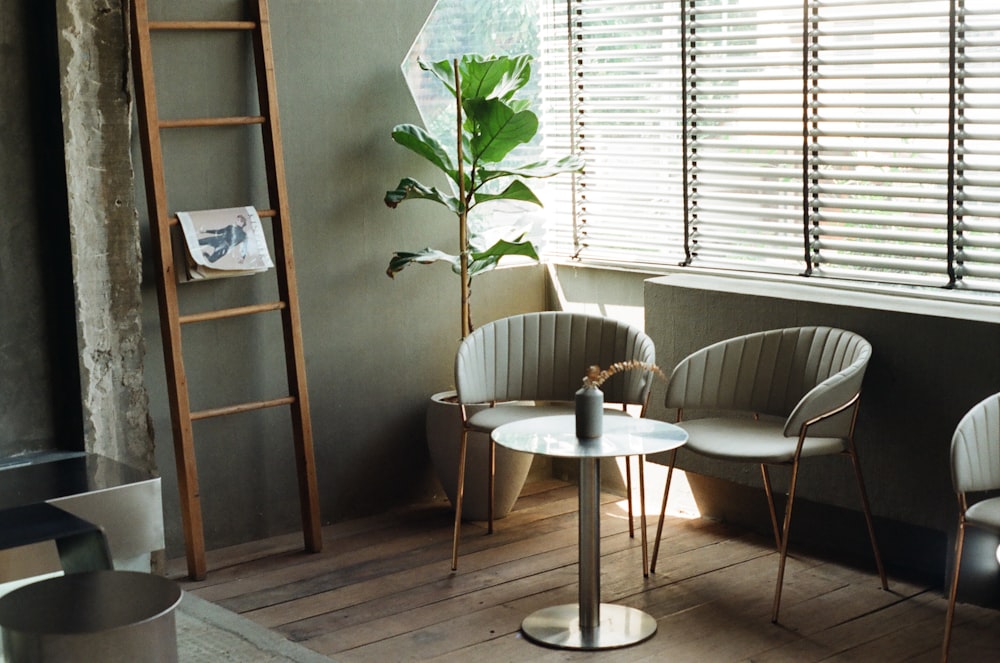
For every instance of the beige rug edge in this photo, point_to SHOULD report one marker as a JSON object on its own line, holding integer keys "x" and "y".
{"x": 208, "y": 633}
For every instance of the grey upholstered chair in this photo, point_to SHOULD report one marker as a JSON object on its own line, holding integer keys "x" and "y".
{"x": 535, "y": 363}
{"x": 772, "y": 398}
{"x": 975, "y": 468}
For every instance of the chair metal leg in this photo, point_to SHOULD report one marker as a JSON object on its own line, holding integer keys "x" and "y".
{"x": 953, "y": 593}
{"x": 783, "y": 537}
{"x": 642, "y": 515}
{"x": 459, "y": 490}
{"x": 783, "y": 554}
{"x": 868, "y": 514}
{"x": 663, "y": 511}
{"x": 491, "y": 494}
{"x": 628, "y": 492}
{"x": 770, "y": 506}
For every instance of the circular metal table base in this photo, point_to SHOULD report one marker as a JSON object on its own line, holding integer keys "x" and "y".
{"x": 559, "y": 626}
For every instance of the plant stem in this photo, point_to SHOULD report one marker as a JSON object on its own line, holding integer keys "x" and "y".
{"x": 463, "y": 215}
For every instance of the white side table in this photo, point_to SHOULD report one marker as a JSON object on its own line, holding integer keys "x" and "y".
{"x": 589, "y": 624}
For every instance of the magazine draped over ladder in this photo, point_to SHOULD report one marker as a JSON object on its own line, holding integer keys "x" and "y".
{"x": 224, "y": 242}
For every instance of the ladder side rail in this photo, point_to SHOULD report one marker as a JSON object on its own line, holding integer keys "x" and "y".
{"x": 288, "y": 291}
{"x": 166, "y": 284}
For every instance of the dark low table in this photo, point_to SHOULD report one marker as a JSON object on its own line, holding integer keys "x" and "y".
{"x": 94, "y": 508}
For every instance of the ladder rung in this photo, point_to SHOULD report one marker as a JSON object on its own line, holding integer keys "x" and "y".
{"x": 241, "y": 407}
{"x": 262, "y": 213}
{"x": 202, "y": 25}
{"x": 231, "y": 312}
{"x": 237, "y": 121}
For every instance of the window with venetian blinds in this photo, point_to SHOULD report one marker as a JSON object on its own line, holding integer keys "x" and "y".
{"x": 835, "y": 138}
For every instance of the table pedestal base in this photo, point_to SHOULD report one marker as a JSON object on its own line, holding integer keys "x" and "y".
{"x": 559, "y": 626}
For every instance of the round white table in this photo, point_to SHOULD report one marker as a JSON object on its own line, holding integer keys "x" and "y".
{"x": 589, "y": 624}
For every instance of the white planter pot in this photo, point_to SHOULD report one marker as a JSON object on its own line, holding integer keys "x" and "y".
{"x": 444, "y": 428}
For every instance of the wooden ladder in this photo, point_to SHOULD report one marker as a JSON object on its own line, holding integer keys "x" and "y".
{"x": 164, "y": 229}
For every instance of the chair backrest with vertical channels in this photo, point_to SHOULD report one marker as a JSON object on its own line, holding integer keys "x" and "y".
{"x": 544, "y": 356}
{"x": 798, "y": 373}
{"x": 975, "y": 448}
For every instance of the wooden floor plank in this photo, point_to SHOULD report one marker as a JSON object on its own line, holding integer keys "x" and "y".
{"x": 403, "y": 545}
{"x": 513, "y": 542}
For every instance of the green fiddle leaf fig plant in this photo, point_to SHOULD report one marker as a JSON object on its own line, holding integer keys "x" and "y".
{"x": 489, "y": 123}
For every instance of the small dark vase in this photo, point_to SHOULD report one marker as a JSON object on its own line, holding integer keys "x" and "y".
{"x": 589, "y": 413}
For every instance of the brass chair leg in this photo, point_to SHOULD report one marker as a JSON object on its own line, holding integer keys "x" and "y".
{"x": 642, "y": 515}
{"x": 953, "y": 593}
{"x": 783, "y": 555}
{"x": 868, "y": 514}
{"x": 459, "y": 490}
{"x": 770, "y": 506}
{"x": 663, "y": 511}
{"x": 628, "y": 492}
{"x": 783, "y": 536}
{"x": 491, "y": 492}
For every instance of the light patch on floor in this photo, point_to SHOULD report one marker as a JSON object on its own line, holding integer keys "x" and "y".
{"x": 680, "y": 504}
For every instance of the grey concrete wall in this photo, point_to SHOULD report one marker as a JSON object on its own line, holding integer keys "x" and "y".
{"x": 69, "y": 268}
{"x": 930, "y": 364}
{"x": 39, "y": 380}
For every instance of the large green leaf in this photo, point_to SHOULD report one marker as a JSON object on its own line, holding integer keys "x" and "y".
{"x": 518, "y": 105}
{"x": 416, "y": 139}
{"x": 538, "y": 169}
{"x": 442, "y": 70}
{"x": 479, "y": 261}
{"x": 410, "y": 189}
{"x": 484, "y": 261}
{"x": 495, "y": 77}
{"x": 498, "y": 129}
{"x": 516, "y": 190}
{"x": 428, "y": 256}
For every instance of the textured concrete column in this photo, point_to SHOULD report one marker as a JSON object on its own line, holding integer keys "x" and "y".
{"x": 96, "y": 111}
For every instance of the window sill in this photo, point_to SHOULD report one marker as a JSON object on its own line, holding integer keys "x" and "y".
{"x": 978, "y": 307}
{"x": 862, "y": 295}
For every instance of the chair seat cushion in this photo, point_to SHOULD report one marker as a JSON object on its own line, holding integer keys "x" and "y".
{"x": 985, "y": 513}
{"x": 755, "y": 441}
{"x": 489, "y": 418}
